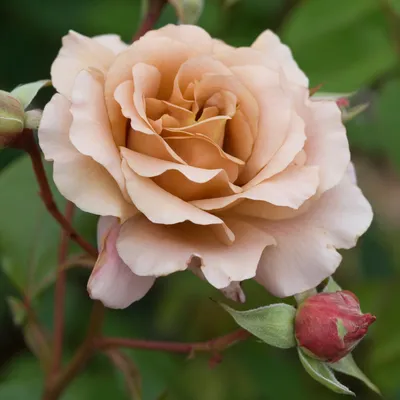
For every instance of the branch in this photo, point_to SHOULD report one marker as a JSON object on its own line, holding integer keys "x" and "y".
{"x": 59, "y": 300}
{"x": 26, "y": 142}
{"x": 155, "y": 8}
{"x": 214, "y": 345}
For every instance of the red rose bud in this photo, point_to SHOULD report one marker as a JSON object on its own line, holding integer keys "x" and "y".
{"x": 329, "y": 325}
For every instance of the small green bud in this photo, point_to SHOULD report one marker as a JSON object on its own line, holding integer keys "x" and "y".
{"x": 11, "y": 114}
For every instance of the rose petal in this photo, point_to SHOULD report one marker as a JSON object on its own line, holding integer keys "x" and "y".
{"x": 77, "y": 53}
{"x": 280, "y": 130}
{"x": 306, "y": 245}
{"x": 291, "y": 189}
{"x": 111, "y": 281}
{"x": 163, "y": 53}
{"x": 150, "y": 249}
{"x": 79, "y": 178}
{"x": 112, "y": 42}
{"x": 278, "y": 55}
{"x": 147, "y": 197}
{"x": 90, "y": 130}
{"x": 186, "y": 34}
{"x": 327, "y": 145}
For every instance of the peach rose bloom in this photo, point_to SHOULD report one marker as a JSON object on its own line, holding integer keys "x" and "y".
{"x": 200, "y": 155}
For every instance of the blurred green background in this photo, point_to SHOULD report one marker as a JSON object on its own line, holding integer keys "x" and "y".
{"x": 346, "y": 45}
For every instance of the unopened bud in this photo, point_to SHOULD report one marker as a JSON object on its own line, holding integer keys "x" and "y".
{"x": 188, "y": 11}
{"x": 11, "y": 114}
{"x": 329, "y": 325}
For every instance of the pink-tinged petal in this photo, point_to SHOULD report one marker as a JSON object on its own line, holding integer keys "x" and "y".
{"x": 327, "y": 145}
{"x": 77, "y": 53}
{"x": 111, "y": 281}
{"x": 290, "y": 189}
{"x": 79, "y": 178}
{"x": 147, "y": 196}
{"x": 152, "y": 249}
{"x": 306, "y": 244}
{"x": 281, "y": 132}
{"x": 112, "y": 42}
{"x": 90, "y": 130}
{"x": 163, "y": 53}
{"x": 186, "y": 34}
{"x": 277, "y": 56}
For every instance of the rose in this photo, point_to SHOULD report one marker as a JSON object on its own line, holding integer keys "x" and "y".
{"x": 328, "y": 326}
{"x": 210, "y": 157}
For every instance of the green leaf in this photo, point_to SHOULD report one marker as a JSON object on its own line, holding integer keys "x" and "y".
{"x": 272, "y": 324}
{"x": 348, "y": 366}
{"x": 27, "y": 92}
{"x": 322, "y": 374}
{"x": 332, "y": 286}
{"x": 344, "y": 49}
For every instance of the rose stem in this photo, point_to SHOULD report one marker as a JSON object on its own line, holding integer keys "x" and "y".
{"x": 155, "y": 8}
{"x": 26, "y": 142}
{"x": 59, "y": 298}
{"x": 213, "y": 345}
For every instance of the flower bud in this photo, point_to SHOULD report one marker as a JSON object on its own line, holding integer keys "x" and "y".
{"x": 329, "y": 325}
{"x": 11, "y": 114}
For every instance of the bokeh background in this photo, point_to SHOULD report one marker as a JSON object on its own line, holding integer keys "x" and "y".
{"x": 345, "y": 44}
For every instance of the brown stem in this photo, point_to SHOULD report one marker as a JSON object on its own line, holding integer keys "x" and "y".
{"x": 56, "y": 386}
{"x": 59, "y": 300}
{"x": 155, "y": 8}
{"x": 213, "y": 345}
{"x": 26, "y": 142}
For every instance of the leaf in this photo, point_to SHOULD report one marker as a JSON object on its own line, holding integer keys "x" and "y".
{"x": 331, "y": 286}
{"x": 130, "y": 372}
{"x": 322, "y": 374}
{"x": 344, "y": 49}
{"x": 27, "y": 92}
{"x": 348, "y": 366}
{"x": 272, "y": 324}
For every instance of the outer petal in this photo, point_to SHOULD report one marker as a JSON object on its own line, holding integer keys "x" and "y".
{"x": 187, "y": 34}
{"x": 306, "y": 245}
{"x": 327, "y": 145}
{"x": 112, "y": 42}
{"x": 79, "y": 178}
{"x": 278, "y": 55}
{"x": 111, "y": 281}
{"x": 150, "y": 249}
{"x": 90, "y": 131}
{"x": 78, "y": 52}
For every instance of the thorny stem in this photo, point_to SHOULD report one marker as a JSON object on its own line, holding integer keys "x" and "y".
{"x": 155, "y": 8}
{"x": 59, "y": 300}
{"x": 26, "y": 142}
{"x": 214, "y": 345}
